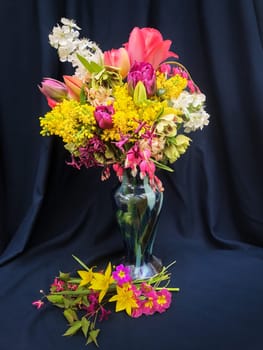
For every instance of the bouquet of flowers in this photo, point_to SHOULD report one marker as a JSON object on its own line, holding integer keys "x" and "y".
{"x": 127, "y": 108}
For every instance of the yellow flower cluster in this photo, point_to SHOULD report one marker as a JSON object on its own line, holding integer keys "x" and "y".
{"x": 172, "y": 87}
{"x": 128, "y": 115}
{"x": 72, "y": 121}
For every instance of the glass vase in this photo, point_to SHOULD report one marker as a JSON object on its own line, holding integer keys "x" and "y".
{"x": 138, "y": 209}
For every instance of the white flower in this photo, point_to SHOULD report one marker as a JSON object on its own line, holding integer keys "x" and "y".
{"x": 66, "y": 40}
{"x": 197, "y": 120}
{"x": 69, "y": 22}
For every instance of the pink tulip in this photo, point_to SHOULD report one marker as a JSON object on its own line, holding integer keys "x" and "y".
{"x": 54, "y": 90}
{"x": 147, "y": 45}
{"x": 118, "y": 58}
{"x": 145, "y": 73}
{"x": 74, "y": 86}
{"x": 103, "y": 116}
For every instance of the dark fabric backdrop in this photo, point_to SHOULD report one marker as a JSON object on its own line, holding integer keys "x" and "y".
{"x": 212, "y": 218}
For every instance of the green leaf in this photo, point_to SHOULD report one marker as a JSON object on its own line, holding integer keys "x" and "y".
{"x": 81, "y": 263}
{"x": 73, "y": 329}
{"x": 85, "y": 326}
{"x": 93, "y": 337}
{"x": 82, "y": 96}
{"x": 70, "y": 315}
{"x": 92, "y": 67}
{"x": 55, "y": 299}
{"x": 163, "y": 166}
{"x": 64, "y": 276}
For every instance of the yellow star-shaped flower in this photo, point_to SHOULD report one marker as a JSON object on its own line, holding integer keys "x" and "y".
{"x": 125, "y": 300}
{"x": 101, "y": 282}
{"x": 86, "y": 277}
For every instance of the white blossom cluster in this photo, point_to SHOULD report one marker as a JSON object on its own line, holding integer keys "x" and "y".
{"x": 65, "y": 38}
{"x": 192, "y": 106}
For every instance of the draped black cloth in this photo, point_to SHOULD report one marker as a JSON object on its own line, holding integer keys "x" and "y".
{"x": 212, "y": 217}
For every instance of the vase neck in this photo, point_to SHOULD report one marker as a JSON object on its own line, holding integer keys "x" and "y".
{"x": 128, "y": 178}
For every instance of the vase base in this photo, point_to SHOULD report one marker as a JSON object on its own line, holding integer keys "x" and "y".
{"x": 146, "y": 270}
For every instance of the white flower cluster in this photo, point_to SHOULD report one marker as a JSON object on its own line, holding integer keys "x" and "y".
{"x": 65, "y": 39}
{"x": 192, "y": 106}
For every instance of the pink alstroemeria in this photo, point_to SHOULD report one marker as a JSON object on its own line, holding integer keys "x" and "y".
{"x": 147, "y": 45}
{"x": 38, "y": 303}
{"x": 54, "y": 90}
{"x": 118, "y": 58}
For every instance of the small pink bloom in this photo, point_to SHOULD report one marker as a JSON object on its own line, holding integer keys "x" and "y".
{"x": 149, "y": 304}
{"x": 147, "y": 45}
{"x": 163, "y": 300}
{"x": 58, "y": 284}
{"x": 118, "y": 170}
{"x": 118, "y": 58}
{"x": 137, "y": 312}
{"x": 122, "y": 274}
{"x": 38, "y": 303}
{"x": 103, "y": 116}
{"x": 104, "y": 314}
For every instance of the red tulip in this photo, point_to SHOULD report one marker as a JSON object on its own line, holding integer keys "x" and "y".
{"x": 147, "y": 45}
{"x": 118, "y": 58}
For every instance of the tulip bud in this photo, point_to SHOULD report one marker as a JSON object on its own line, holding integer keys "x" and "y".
{"x": 145, "y": 73}
{"x": 74, "y": 86}
{"x": 54, "y": 90}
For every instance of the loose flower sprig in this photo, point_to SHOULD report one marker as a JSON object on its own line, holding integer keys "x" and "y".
{"x": 126, "y": 108}
{"x": 86, "y": 299}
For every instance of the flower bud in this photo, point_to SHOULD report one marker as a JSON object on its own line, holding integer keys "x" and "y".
{"x": 103, "y": 116}
{"x": 54, "y": 90}
{"x": 145, "y": 73}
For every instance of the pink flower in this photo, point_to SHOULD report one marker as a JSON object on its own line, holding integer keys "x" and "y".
{"x": 137, "y": 312}
{"x": 103, "y": 116}
{"x": 118, "y": 58}
{"x": 144, "y": 72}
{"x": 58, "y": 285}
{"x": 149, "y": 304}
{"x": 38, "y": 303}
{"x": 54, "y": 90}
{"x": 163, "y": 300}
{"x": 104, "y": 314}
{"x": 118, "y": 170}
{"x": 147, "y": 45}
{"x": 121, "y": 274}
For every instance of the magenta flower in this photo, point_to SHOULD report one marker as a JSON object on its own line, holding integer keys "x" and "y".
{"x": 103, "y": 116}
{"x": 104, "y": 314}
{"x": 121, "y": 274}
{"x": 149, "y": 304}
{"x": 145, "y": 73}
{"x": 58, "y": 285}
{"x": 163, "y": 300}
{"x": 138, "y": 311}
{"x": 38, "y": 303}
